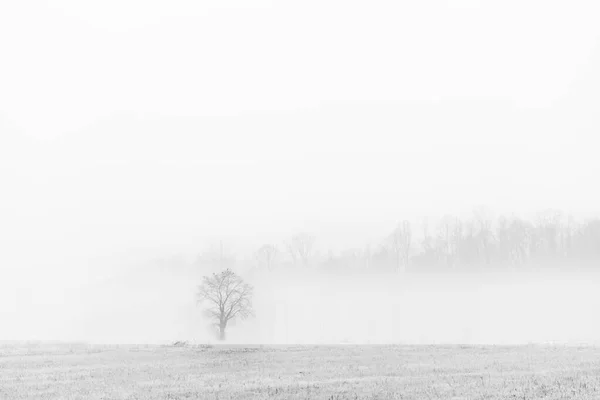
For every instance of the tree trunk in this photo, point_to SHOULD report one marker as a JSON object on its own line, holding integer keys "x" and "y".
{"x": 222, "y": 331}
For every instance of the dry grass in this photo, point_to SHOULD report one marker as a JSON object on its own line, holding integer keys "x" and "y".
{"x": 306, "y": 372}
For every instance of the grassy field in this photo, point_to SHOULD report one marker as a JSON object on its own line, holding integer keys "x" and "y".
{"x": 303, "y": 372}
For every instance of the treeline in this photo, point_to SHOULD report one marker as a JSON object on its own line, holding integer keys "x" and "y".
{"x": 551, "y": 239}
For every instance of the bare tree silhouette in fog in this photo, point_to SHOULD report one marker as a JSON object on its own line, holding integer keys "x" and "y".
{"x": 399, "y": 243}
{"x": 227, "y": 297}
{"x": 301, "y": 248}
{"x": 266, "y": 255}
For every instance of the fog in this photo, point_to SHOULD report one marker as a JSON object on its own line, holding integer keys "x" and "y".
{"x": 132, "y": 131}
{"x": 313, "y": 307}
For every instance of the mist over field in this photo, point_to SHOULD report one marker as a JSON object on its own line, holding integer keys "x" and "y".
{"x": 131, "y": 131}
{"x": 159, "y": 306}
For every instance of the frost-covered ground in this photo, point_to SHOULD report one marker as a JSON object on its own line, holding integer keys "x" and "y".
{"x": 303, "y": 372}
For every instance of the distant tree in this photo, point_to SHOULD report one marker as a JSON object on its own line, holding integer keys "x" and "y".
{"x": 519, "y": 241}
{"x": 503, "y": 240}
{"x": 485, "y": 235}
{"x": 399, "y": 243}
{"x": 588, "y": 241}
{"x": 547, "y": 226}
{"x": 226, "y": 297}
{"x": 448, "y": 239}
{"x": 426, "y": 255}
{"x": 266, "y": 255}
{"x": 301, "y": 247}
{"x": 367, "y": 256}
{"x": 568, "y": 235}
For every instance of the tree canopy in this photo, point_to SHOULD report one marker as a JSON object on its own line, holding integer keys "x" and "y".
{"x": 226, "y": 297}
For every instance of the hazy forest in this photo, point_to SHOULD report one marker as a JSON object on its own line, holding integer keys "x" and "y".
{"x": 480, "y": 278}
{"x": 550, "y": 239}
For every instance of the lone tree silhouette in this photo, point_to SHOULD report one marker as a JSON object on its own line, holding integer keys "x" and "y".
{"x": 226, "y": 297}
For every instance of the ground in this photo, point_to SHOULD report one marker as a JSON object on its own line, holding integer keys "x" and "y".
{"x": 64, "y": 371}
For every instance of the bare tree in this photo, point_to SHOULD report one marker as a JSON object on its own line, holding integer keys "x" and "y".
{"x": 226, "y": 297}
{"x": 448, "y": 245}
{"x": 568, "y": 235}
{"x": 266, "y": 255}
{"x": 399, "y": 244}
{"x": 548, "y": 226}
{"x": 485, "y": 235}
{"x": 301, "y": 247}
{"x": 367, "y": 256}
{"x": 520, "y": 240}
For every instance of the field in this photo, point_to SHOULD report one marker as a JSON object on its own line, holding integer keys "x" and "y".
{"x": 62, "y": 371}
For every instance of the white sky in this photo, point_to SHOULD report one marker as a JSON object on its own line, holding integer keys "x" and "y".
{"x": 156, "y": 125}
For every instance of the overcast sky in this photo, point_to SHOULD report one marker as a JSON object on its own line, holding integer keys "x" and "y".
{"x": 159, "y": 126}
